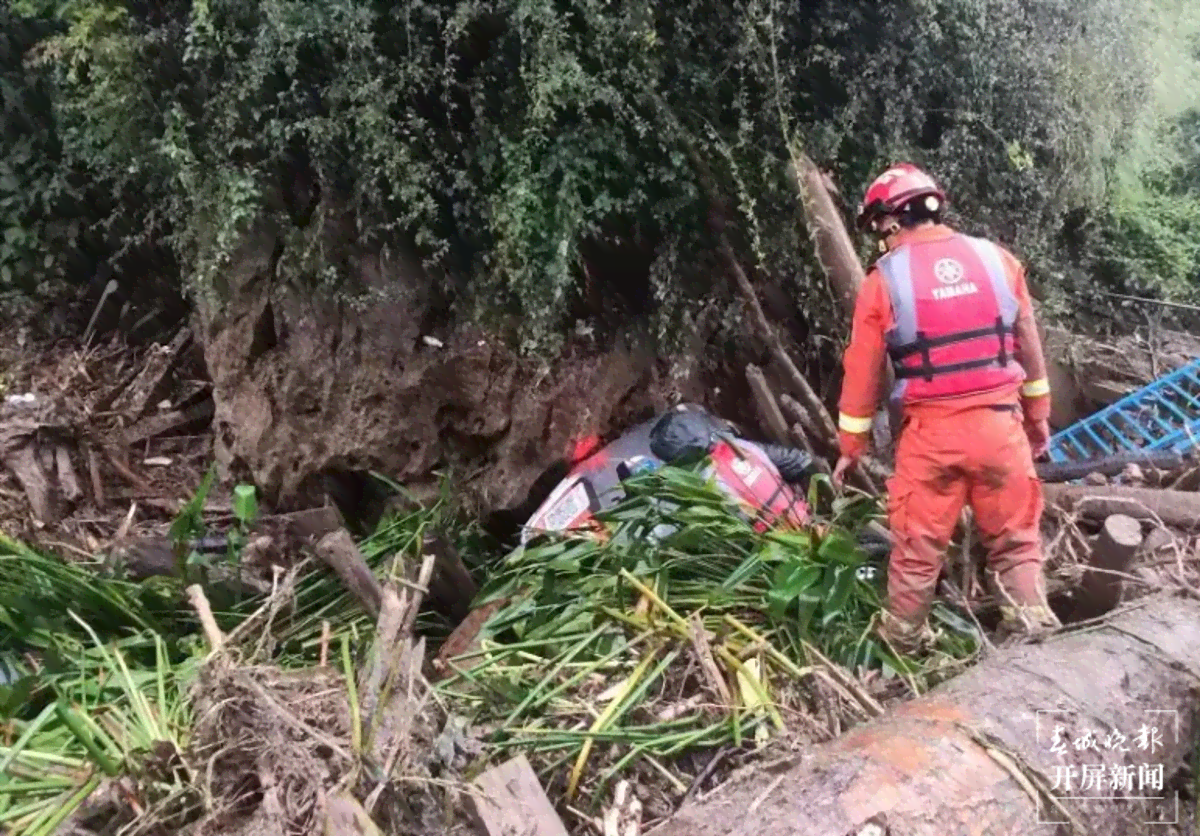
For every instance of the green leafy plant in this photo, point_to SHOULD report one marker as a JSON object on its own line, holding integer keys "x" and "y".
{"x": 593, "y": 640}
{"x": 525, "y": 152}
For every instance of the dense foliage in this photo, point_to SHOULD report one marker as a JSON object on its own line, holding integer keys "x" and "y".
{"x": 524, "y": 147}
{"x": 588, "y": 659}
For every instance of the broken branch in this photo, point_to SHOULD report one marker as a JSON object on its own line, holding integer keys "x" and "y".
{"x": 337, "y": 551}
{"x": 199, "y": 602}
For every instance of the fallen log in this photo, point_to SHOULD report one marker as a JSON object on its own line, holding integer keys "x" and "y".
{"x": 1180, "y": 509}
{"x": 1109, "y": 465}
{"x": 1100, "y": 589}
{"x": 835, "y": 250}
{"x": 975, "y": 754}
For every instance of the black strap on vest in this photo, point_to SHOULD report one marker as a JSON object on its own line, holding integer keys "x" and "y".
{"x": 922, "y": 344}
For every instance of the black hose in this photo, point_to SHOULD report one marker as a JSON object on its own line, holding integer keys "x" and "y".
{"x": 794, "y": 465}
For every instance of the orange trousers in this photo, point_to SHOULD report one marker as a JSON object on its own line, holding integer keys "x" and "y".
{"x": 945, "y": 460}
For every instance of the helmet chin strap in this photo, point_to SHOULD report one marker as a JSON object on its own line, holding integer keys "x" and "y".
{"x": 886, "y": 232}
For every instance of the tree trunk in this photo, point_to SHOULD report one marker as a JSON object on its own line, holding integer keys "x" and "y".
{"x": 835, "y": 249}
{"x": 768, "y": 407}
{"x": 1113, "y": 551}
{"x": 970, "y": 756}
{"x": 839, "y": 261}
{"x": 1175, "y": 508}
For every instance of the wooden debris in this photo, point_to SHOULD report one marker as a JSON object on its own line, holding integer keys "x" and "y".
{"x": 302, "y": 527}
{"x": 708, "y": 665}
{"x": 387, "y": 632}
{"x": 834, "y": 248}
{"x": 155, "y": 425}
{"x": 344, "y": 816}
{"x": 199, "y": 602}
{"x": 67, "y": 480}
{"x": 796, "y": 433}
{"x": 768, "y": 407}
{"x": 1175, "y": 508}
{"x": 1113, "y": 551}
{"x": 794, "y": 410}
{"x": 822, "y": 425}
{"x": 20, "y": 456}
{"x": 841, "y": 265}
{"x": 1086, "y": 374}
{"x": 93, "y": 463}
{"x": 417, "y": 595}
{"x": 387, "y": 681}
{"x": 150, "y": 384}
{"x": 1108, "y": 466}
{"x": 451, "y": 588}
{"x": 464, "y": 639}
{"x": 117, "y": 460}
{"x": 508, "y": 799}
{"x": 151, "y": 499}
{"x": 1189, "y": 480}
{"x": 338, "y": 552}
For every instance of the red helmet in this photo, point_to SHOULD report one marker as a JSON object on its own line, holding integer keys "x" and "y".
{"x": 894, "y": 188}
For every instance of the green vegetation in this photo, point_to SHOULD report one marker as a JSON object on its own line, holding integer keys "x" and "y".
{"x": 522, "y": 149}
{"x": 589, "y": 667}
{"x": 590, "y": 662}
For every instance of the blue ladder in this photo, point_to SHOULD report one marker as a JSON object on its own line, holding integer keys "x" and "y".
{"x": 1164, "y": 416}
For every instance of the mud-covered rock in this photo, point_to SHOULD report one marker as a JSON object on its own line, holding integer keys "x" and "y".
{"x": 306, "y": 384}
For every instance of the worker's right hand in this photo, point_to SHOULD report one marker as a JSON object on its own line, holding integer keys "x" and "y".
{"x": 1038, "y": 433}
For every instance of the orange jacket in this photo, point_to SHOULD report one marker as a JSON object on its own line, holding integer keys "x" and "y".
{"x": 866, "y": 356}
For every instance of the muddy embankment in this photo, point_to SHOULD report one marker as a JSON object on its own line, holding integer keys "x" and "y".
{"x": 312, "y": 392}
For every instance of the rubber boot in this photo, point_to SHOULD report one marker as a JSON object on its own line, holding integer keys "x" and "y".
{"x": 1032, "y": 620}
{"x": 904, "y": 636}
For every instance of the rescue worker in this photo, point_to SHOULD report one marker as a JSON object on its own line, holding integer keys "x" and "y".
{"x": 953, "y": 315}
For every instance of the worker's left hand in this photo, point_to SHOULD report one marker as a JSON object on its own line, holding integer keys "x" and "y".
{"x": 839, "y": 470}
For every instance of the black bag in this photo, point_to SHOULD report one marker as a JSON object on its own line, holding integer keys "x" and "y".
{"x": 680, "y": 435}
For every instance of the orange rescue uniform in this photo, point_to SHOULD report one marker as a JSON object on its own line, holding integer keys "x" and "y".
{"x": 967, "y": 449}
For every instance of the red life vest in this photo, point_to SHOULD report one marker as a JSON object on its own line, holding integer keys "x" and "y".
{"x": 754, "y": 482}
{"x": 954, "y": 313}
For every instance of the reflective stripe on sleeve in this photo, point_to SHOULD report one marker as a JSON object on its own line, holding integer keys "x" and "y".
{"x": 1036, "y": 388}
{"x": 850, "y": 424}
